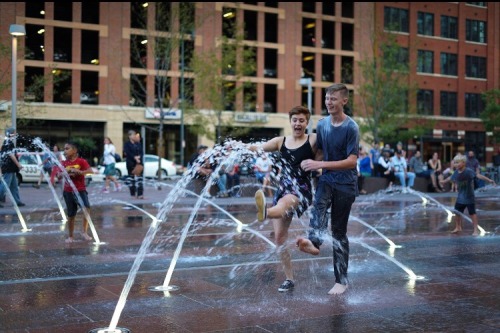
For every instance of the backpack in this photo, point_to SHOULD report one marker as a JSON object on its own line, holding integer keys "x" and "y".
{"x": 118, "y": 158}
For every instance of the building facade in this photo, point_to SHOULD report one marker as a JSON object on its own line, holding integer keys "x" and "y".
{"x": 87, "y": 49}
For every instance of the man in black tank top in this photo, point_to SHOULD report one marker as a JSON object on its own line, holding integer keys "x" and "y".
{"x": 294, "y": 194}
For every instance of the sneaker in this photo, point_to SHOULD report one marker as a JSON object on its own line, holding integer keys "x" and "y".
{"x": 20, "y": 204}
{"x": 36, "y": 186}
{"x": 286, "y": 286}
{"x": 105, "y": 191}
{"x": 118, "y": 188}
{"x": 260, "y": 202}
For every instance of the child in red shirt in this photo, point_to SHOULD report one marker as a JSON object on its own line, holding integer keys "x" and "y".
{"x": 77, "y": 168}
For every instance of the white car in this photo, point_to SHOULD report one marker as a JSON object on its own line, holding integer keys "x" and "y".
{"x": 30, "y": 173}
{"x": 168, "y": 168}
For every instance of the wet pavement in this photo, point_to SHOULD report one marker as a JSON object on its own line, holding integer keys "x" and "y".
{"x": 228, "y": 275}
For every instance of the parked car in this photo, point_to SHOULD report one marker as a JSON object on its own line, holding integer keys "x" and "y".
{"x": 30, "y": 173}
{"x": 168, "y": 168}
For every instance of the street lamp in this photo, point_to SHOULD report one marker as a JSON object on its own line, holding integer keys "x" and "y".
{"x": 308, "y": 82}
{"x": 16, "y": 30}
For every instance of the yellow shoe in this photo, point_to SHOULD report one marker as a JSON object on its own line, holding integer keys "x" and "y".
{"x": 260, "y": 202}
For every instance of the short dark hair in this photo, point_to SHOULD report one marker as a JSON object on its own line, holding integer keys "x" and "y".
{"x": 300, "y": 110}
{"x": 338, "y": 87}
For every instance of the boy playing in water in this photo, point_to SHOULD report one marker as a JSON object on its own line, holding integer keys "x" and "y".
{"x": 77, "y": 168}
{"x": 464, "y": 178}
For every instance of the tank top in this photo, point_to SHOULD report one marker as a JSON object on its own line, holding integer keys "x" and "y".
{"x": 291, "y": 159}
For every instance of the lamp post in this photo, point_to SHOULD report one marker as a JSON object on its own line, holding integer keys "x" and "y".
{"x": 308, "y": 82}
{"x": 16, "y": 30}
{"x": 182, "y": 102}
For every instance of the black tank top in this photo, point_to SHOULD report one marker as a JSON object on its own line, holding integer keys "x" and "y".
{"x": 291, "y": 159}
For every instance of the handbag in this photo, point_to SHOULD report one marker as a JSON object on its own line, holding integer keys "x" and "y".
{"x": 137, "y": 171}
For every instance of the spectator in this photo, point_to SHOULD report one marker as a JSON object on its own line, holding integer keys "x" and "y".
{"x": 400, "y": 170}
{"x": 473, "y": 164}
{"x": 134, "y": 155}
{"x": 55, "y": 169}
{"x": 199, "y": 151}
{"x": 233, "y": 181}
{"x": 363, "y": 168}
{"x": 436, "y": 171}
{"x": 386, "y": 169}
{"x": 399, "y": 146}
{"x": 418, "y": 166}
{"x": 46, "y": 165}
{"x": 374, "y": 157}
{"x": 10, "y": 166}
{"x": 263, "y": 167}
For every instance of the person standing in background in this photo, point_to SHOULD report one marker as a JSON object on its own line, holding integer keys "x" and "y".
{"x": 10, "y": 166}
{"x": 109, "y": 162}
{"x": 134, "y": 155}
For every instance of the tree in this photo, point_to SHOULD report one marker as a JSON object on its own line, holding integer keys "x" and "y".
{"x": 385, "y": 92}
{"x": 221, "y": 80}
{"x": 491, "y": 113}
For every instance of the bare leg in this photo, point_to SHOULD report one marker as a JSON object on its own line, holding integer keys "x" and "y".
{"x": 71, "y": 229}
{"x": 86, "y": 227}
{"x": 280, "y": 238}
{"x": 338, "y": 289}
{"x": 473, "y": 217}
{"x": 458, "y": 225}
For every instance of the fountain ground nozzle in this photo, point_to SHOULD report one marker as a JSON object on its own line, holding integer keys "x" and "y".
{"x": 108, "y": 330}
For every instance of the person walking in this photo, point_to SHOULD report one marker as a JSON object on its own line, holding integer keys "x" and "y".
{"x": 109, "y": 162}
{"x": 10, "y": 167}
{"x": 46, "y": 167}
{"x": 294, "y": 193}
{"x": 338, "y": 139}
{"x": 55, "y": 169}
{"x": 464, "y": 177}
{"x": 77, "y": 168}
{"x": 134, "y": 156}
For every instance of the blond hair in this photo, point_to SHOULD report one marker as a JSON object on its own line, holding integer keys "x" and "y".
{"x": 460, "y": 158}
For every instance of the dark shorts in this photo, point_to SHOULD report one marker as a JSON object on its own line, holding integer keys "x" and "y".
{"x": 302, "y": 190}
{"x": 471, "y": 208}
{"x": 72, "y": 202}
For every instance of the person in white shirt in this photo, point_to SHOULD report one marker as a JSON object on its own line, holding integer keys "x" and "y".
{"x": 386, "y": 169}
{"x": 109, "y": 163}
{"x": 263, "y": 167}
{"x": 401, "y": 171}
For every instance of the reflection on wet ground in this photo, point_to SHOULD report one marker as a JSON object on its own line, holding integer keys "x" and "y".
{"x": 228, "y": 278}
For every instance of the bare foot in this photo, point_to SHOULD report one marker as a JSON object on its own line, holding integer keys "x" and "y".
{"x": 86, "y": 237}
{"x": 455, "y": 231}
{"x": 305, "y": 245}
{"x": 337, "y": 289}
{"x": 69, "y": 240}
{"x": 475, "y": 233}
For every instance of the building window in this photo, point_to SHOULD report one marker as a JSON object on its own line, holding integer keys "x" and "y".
{"x": 425, "y": 102}
{"x": 162, "y": 91}
{"x": 475, "y": 31}
{"x": 308, "y": 65}
{"x": 250, "y": 97}
{"x": 34, "y": 83}
{"x": 328, "y": 68}
{"x": 250, "y": 18}
{"x": 35, "y": 9}
{"x": 449, "y": 64}
{"x": 90, "y": 12}
{"x": 396, "y": 19}
{"x": 62, "y": 86}
{"x": 163, "y": 15}
{"x": 308, "y": 32}
{"x": 347, "y": 37}
{"x": 63, "y": 11}
{"x": 449, "y": 27}
{"x": 63, "y": 44}
{"x": 425, "y": 24}
{"x": 138, "y": 51}
{"x": 479, "y": 4}
{"x": 328, "y": 35}
{"x": 138, "y": 90}
{"x": 90, "y": 47}
{"x": 228, "y": 22}
{"x": 35, "y": 49}
{"x": 347, "y": 70}
{"x": 425, "y": 61}
{"x": 138, "y": 15}
{"x": 270, "y": 98}
{"x": 475, "y": 67}
{"x": 474, "y": 105}
{"x": 448, "y": 104}
{"x": 309, "y": 6}
{"x": 271, "y": 31}
{"x": 89, "y": 88}
{"x": 270, "y": 63}
{"x": 348, "y": 9}
{"x": 328, "y": 8}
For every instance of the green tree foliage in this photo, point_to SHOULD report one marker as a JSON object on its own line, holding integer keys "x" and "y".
{"x": 221, "y": 78}
{"x": 385, "y": 91}
{"x": 491, "y": 113}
